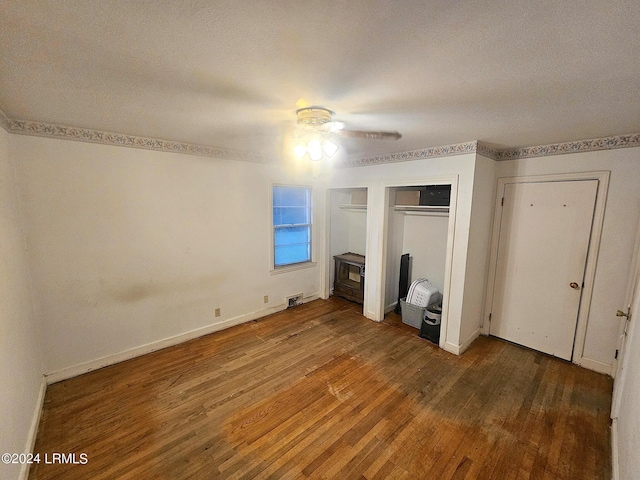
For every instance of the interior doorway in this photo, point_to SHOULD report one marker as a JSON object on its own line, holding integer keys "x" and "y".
{"x": 422, "y": 228}
{"x": 347, "y": 242}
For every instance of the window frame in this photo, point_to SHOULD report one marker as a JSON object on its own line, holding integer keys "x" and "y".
{"x": 296, "y": 265}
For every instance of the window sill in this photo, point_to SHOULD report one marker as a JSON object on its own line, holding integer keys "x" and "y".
{"x": 292, "y": 268}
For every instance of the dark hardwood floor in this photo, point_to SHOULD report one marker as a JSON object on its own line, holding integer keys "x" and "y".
{"x": 318, "y": 391}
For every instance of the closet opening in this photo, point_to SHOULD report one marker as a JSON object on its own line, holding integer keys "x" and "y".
{"x": 347, "y": 242}
{"x": 418, "y": 242}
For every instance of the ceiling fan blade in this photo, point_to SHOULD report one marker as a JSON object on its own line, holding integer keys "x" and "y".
{"x": 369, "y": 134}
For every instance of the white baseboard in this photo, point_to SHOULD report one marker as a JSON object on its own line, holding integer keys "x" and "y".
{"x": 615, "y": 467}
{"x": 451, "y": 348}
{"x": 595, "y": 365}
{"x": 310, "y": 298}
{"x": 470, "y": 339}
{"x": 74, "y": 371}
{"x": 33, "y": 428}
{"x": 460, "y": 349}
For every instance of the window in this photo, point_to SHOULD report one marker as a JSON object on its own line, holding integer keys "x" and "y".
{"x": 291, "y": 225}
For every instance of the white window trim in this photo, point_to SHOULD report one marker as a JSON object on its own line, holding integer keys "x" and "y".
{"x": 273, "y": 270}
{"x": 293, "y": 267}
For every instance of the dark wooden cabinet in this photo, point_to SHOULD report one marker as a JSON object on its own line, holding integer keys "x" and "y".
{"x": 349, "y": 277}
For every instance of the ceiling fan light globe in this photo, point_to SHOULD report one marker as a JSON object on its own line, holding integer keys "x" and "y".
{"x": 329, "y": 148}
{"x": 314, "y": 148}
{"x": 299, "y": 150}
{"x": 315, "y": 157}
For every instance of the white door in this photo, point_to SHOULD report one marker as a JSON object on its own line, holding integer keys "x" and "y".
{"x": 544, "y": 238}
{"x": 630, "y": 310}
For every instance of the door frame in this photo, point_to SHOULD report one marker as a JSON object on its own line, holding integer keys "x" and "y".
{"x": 327, "y": 261}
{"x": 592, "y": 254}
{"x": 451, "y": 239}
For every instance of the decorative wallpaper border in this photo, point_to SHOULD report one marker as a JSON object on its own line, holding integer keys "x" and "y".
{"x": 605, "y": 143}
{"x": 487, "y": 151}
{"x": 40, "y": 129}
{"x": 432, "y": 152}
{"x": 580, "y": 146}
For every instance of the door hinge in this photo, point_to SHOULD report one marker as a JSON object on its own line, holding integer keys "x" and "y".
{"x": 502, "y": 203}
{"x": 489, "y": 317}
{"x": 616, "y": 357}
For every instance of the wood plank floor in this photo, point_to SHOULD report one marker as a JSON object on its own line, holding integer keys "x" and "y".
{"x": 318, "y": 391}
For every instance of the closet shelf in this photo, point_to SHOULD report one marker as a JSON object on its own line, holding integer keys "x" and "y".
{"x": 348, "y": 206}
{"x": 424, "y": 209}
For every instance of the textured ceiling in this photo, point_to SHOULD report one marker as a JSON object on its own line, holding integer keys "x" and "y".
{"x": 228, "y": 74}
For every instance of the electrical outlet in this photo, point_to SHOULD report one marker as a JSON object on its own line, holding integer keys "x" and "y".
{"x": 266, "y": 299}
{"x": 217, "y": 312}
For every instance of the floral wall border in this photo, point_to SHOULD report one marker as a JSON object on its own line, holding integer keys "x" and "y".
{"x": 48, "y": 130}
{"x": 580, "y": 146}
{"x": 432, "y": 152}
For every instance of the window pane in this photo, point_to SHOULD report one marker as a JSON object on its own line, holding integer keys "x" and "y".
{"x": 292, "y": 254}
{"x": 277, "y": 215}
{"x": 290, "y": 215}
{"x": 290, "y": 196}
{"x": 292, "y": 235}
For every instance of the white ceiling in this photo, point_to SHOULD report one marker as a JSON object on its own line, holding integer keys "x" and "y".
{"x": 229, "y": 73}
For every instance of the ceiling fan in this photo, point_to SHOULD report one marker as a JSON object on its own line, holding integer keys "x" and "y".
{"x": 322, "y": 118}
{"x": 318, "y": 126}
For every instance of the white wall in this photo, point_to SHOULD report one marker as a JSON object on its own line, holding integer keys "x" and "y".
{"x": 618, "y": 236}
{"x": 482, "y": 209}
{"x": 20, "y": 351}
{"x": 357, "y": 231}
{"x": 425, "y": 239}
{"x": 131, "y": 247}
{"x": 339, "y": 228}
{"x": 348, "y": 225}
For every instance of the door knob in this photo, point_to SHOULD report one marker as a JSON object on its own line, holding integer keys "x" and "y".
{"x": 574, "y": 285}
{"x": 620, "y": 313}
